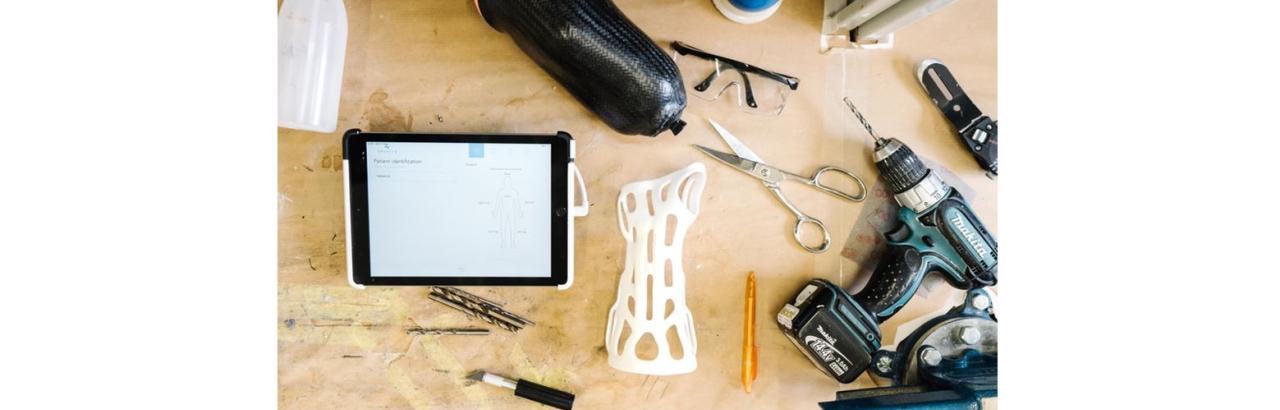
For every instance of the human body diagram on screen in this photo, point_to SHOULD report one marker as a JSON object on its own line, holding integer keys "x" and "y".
{"x": 508, "y": 210}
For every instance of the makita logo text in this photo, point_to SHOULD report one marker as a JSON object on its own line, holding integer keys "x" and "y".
{"x": 969, "y": 235}
{"x": 827, "y": 336}
{"x": 828, "y": 353}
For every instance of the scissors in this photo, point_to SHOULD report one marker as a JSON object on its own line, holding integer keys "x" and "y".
{"x": 750, "y": 163}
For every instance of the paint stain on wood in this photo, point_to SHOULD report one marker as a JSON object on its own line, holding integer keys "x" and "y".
{"x": 332, "y": 162}
{"x": 382, "y": 116}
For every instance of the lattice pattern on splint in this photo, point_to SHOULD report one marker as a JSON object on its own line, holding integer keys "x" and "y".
{"x": 650, "y": 329}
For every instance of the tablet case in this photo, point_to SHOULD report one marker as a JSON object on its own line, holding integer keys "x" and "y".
{"x": 576, "y": 210}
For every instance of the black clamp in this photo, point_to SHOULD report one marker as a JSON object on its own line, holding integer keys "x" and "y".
{"x": 977, "y": 130}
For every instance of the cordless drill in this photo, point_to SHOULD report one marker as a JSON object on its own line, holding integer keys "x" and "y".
{"x": 937, "y": 232}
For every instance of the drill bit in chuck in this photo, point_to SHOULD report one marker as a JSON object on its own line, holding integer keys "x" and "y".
{"x": 879, "y": 141}
{"x": 900, "y": 168}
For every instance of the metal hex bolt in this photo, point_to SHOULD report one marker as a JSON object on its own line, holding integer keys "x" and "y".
{"x": 968, "y": 335}
{"x": 885, "y": 364}
{"x": 981, "y": 302}
{"x": 930, "y": 356}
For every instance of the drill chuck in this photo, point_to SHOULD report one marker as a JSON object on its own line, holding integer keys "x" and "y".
{"x": 914, "y": 185}
{"x": 900, "y": 168}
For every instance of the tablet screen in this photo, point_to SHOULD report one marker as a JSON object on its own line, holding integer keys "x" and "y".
{"x": 459, "y": 209}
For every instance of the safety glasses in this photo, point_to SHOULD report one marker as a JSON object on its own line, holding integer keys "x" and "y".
{"x": 756, "y": 90}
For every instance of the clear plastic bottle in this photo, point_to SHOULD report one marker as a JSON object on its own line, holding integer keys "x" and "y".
{"x": 312, "y": 46}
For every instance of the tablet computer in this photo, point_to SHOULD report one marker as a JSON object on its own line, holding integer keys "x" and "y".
{"x": 460, "y": 209}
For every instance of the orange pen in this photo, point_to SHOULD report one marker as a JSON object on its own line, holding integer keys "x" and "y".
{"x": 750, "y": 352}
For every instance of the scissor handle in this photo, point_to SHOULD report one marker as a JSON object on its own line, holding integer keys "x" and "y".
{"x": 802, "y": 219}
{"x": 817, "y": 183}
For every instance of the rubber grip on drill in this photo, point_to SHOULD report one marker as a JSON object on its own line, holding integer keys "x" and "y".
{"x": 893, "y": 283}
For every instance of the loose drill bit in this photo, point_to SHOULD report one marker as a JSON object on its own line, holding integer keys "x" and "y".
{"x": 473, "y": 313}
{"x": 485, "y": 307}
{"x": 460, "y": 292}
{"x": 478, "y": 307}
{"x": 469, "y": 331}
{"x": 486, "y": 304}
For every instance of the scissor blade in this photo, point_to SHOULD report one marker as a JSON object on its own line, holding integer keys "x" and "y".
{"x": 742, "y": 164}
{"x": 737, "y": 146}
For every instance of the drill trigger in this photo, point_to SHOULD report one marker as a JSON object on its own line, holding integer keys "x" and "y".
{"x": 913, "y": 234}
{"x": 898, "y": 235}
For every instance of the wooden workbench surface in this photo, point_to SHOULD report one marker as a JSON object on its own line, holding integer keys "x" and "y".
{"x": 435, "y": 66}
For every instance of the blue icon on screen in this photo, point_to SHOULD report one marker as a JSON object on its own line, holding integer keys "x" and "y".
{"x": 477, "y": 150}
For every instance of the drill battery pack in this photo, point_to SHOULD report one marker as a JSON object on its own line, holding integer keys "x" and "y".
{"x": 833, "y": 330}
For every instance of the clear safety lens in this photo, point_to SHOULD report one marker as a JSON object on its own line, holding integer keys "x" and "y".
{"x": 713, "y": 79}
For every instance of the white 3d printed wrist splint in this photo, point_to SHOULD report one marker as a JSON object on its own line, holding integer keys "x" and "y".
{"x": 654, "y": 217}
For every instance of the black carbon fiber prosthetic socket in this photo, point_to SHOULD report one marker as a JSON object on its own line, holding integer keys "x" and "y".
{"x": 600, "y": 57}
{"x": 902, "y": 169}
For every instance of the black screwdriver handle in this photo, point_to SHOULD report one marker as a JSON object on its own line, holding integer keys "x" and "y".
{"x": 545, "y": 395}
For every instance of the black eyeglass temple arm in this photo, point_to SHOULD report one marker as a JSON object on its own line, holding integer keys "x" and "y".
{"x": 684, "y": 49}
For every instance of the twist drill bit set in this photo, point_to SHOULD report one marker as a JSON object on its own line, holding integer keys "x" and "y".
{"x": 480, "y": 308}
